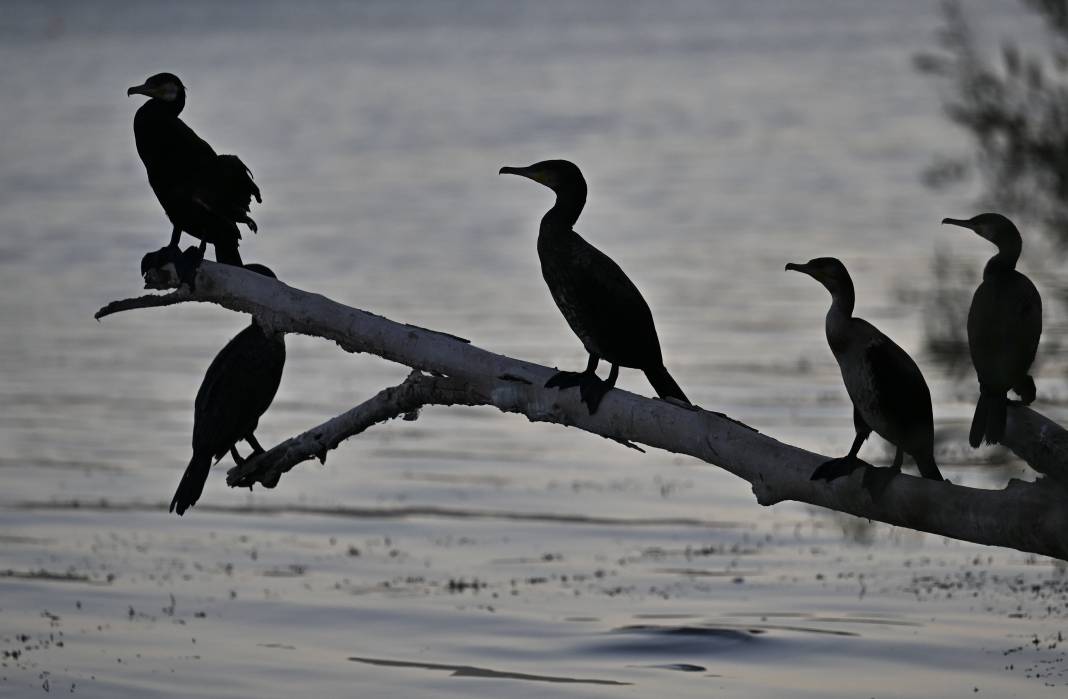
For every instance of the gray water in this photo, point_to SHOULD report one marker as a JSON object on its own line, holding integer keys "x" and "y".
{"x": 472, "y": 553}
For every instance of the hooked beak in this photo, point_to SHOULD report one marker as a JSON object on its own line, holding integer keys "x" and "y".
{"x": 521, "y": 171}
{"x": 140, "y": 90}
{"x": 528, "y": 172}
{"x": 959, "y": 222}
{"x": 797, "y": 267}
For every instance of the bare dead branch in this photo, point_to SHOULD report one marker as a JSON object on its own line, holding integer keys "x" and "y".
{"x": 416, "y": 391}
{"x": 146, "y": 301}
{"x": 1039, "y": 441}
{"x": 1026, "y": 516}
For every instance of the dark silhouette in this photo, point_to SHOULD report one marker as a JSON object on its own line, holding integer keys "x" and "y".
{"x": 203, "y": 193}
{"x": 886, "y": 387}
{"x": 237, "y": 390}
{"x": 1004, "y": 325}
{"x": 598, "y": 300}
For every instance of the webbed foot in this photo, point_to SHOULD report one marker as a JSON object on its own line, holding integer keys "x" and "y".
{"x": 567, "y": 379}
{"x": 876, "y": 480}
{"x": 592, "y": 392}
{"x": 187, "y": 264}
{"x": 836, "y": 468}
{"x": 591, "y": 389}
{"x": 158, "y": 260}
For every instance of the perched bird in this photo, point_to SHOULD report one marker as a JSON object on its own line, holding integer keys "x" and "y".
{"x": 237, "y": 390}
{"x": 1004, "y": 324}
{"x": 599, "y": 301}
{"x": 886, "y": 387}
{"x": 203, "y": 193}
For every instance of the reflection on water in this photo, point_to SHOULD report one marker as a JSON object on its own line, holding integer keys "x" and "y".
{"x": 470, "y": 671}
{"x": 719, "y": 140}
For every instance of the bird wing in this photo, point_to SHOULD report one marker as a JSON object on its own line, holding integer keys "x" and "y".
{"x": 900, "y": 391}
{"x": 237, "y": 389}
{"x": 174, "y": 156}
{"x": 1004, "y": 328}
{"x": 205, "y": 190}
{"x": 613, "y": 312}
{"x": 185, "y": 152}
{"x": 1031, "y": 318}
{"x": 224, "y": 186}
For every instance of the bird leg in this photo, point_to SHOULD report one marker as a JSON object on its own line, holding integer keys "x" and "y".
{"x": 876, "y": 479}
{"x": 176, "y": 234}
{"x": 237, "y": 457}
{"x": 591, "y": 388}
{"x": 254, "y": 443}
{"x": 593, "y": 391}
{"x": 256, "y": 450}
{"x": 844, "y": 465}
{"x": 1025, "y": 388}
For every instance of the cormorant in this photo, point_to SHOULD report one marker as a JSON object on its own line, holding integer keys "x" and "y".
{"x": 886, "y": 387}
{"x": 204, "y": 194}
{"x": 1004, "y": 324}
{"x": 598, "y": 300}
{"x": 237, "y": 390}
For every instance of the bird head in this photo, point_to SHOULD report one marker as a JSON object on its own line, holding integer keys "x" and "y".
{"x": 561, "y": 176}
{"x": 162, "y": 86}
{"x": 261, "y": 269}
{"x": 828, "y": 271}
{"x": 994, "y": 227}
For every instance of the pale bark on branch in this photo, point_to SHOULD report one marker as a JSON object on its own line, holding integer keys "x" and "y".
{"x": 1031, "y": 517}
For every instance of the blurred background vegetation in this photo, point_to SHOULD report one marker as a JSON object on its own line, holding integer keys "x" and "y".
{"x": 1012, "y": 101}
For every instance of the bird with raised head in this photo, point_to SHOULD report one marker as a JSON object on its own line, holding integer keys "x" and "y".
{"x": 237, "y": 389}
{"x": 1004, "y": 326}
{"x": 203, "y": 194}
{"x": 888, "y": 392}
{"x": 597, "y": 299}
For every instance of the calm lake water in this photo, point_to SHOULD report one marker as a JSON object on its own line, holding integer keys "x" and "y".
{"x": 472, "y": 553}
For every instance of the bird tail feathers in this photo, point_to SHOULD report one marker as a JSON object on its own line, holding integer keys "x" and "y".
{"x": 988, "y": 422}
{"x": 928, "y": 467}
{"x": 235, "y": 189}
{"x": 226, "y": 253}
{"x": 995, "y": 419}
{"x": 192, "y": 483}
{"x": 664, "y": 385}
{"x": 975, "y": 435}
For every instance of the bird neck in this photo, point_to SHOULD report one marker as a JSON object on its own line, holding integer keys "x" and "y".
{"x": 839, "y": 315}
{"x": 566, "y": 210}
{"x": 165, "y": 108}
{"x": 1006, "y": 259}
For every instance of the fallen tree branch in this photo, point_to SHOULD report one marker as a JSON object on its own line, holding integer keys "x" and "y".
{"x": 1039, "y": 441}
{"x": 417, "y": 391}
{"x": 1026, "y": 516}
{"x": 146, "y": 301}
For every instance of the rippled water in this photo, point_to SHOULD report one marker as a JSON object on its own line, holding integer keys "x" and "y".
{"x": 471, "y": 553}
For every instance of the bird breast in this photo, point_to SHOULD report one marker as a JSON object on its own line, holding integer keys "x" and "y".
{"x": 568, "y": 298}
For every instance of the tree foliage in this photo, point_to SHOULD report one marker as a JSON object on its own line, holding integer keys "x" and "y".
{"x": 1013, "y": 103}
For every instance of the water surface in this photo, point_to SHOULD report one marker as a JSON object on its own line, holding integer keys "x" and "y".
{"x": 472, "y": 553}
